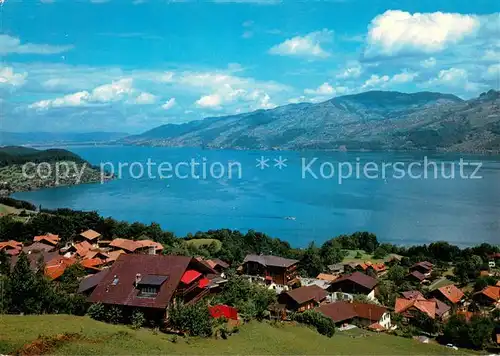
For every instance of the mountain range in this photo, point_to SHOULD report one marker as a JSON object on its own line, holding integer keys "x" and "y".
{"x": 375, "y": 120}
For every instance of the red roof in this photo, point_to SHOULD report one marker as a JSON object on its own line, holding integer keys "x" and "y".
{"x": 203, "y": 283}
{"x": 492, "y": 292}
{"x": 452, "y": 293}
{"x": 190, "y": 276}
{"x": 55, "y": 268}
{"x": 11, "y": 244}
{"x": 219, "y": 311}
{"x": 82, "y": 248}
{"x": 425, "y": 306}
{"x": 91, "y": 262}
{"x": 118, "y": 286}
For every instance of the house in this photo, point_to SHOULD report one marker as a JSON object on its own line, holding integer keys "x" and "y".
{"x": 91, "y": 236}
{"x": 56, "y": 267}
{"x": 148, "y": 247}
{"x": 49, "y": 239}
{"x": 408, "y": 307}
{"x": 303, "y": 298}
{"x": 378, "y": 268}
{"x": 339, "y": 312}
{"x": 442, "y": 309}
{"x": 80, "y": 249}
{"x": 11, "y": 247}
{"x": 92, "y": 265}
{"x": 37, "y": 247}
{"x": 416, "y": 276}
{"x": 336, "y": 269}
{"x": 355, "y": 283}
{"x": 129, "y": 246}
{"x": 490, "y": 295}
{"x": 371, "y": 314}
{"x": 365, "y": 314}
{"x": 152, "y": 283}
{"x": 326, "y": 277}
{"x": 281, "y": 271}
{"x": 314, "y": 282}
{"x": 217, "y": 264}
{"x": 411, "y": 294}
{"x": 35, "y": 257}
{"x": 449, "y": 294}
{"x": 424, "y": 267}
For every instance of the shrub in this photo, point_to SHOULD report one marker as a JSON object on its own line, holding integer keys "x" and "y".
{"x": 114, "y": 315}
{"x": 97, "y": 311}
{"x": 137, "y": 319}
{"x": 193, "y": 319}
{"x": 324, "y": 325}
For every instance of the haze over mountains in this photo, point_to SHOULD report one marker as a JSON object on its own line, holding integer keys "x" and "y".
{"x": 55, "y": 138}
{"x": 370, "y": 120}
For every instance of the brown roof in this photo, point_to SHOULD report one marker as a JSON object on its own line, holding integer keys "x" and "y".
{"x": 91, "y": 281}
{"x": 38, "y": 246}
{"x": 418, "y": 275}
{"x": 358, "y": 278}
{"x": 425, "y": 264}
{"x": 306, "y": 293}
{"x": 411, "y": 294}
{"x": 149, "y": 243}
{"x": 369, "y": 311}
{"x": 267, "y": 260}
{"x": 452, "y": 293}
{"x": 326, "y": 277}
{"x": 113, "y": 255}
{"x": 441, "y": 308}
{"x": 339, "y": 311}
{"x": 90, "y": 234}
{"x": 125, "y": 244}
{"x": 50, "y": 238}
{"x": 117, "y": 287}
{"x": 33, "y": 258}
{"x": 83, "y": 248}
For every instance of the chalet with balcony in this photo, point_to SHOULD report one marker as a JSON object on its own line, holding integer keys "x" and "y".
{"x": 278, "y": 270}
{"x": 424, "y": 267}
{"x": 355, "y": 283}
{"x": 151, "y": 283}
{"x": 370, "y": 315}
{"x": 303, "y": 298}
{"x": 449, "y": 294}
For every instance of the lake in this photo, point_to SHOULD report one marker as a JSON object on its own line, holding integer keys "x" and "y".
{"x": 301, "y": 202}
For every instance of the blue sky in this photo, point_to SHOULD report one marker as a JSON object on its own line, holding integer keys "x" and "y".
{"x": 131, "y": 65}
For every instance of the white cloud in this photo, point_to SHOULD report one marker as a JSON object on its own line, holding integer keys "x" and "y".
{"x": 145, "y": 99}
{"x": 382, "y": 81}
{"x": 493, "y": 72}
{"x": 353, "y": 71}
{"x": 9, "y": 77}
{"x": 428, "y": 63}
{"x": 308, "y": 46}
{"x": 169, "y": 104}
{"x": 121, "y": 90}
{"x": 9, "y": 44}
{"x": 457, "y": 78}
{"x": 396, "y": 32}
{"x": 326, "y": 89}
{"x": 404, "y": 77}
{"x": 247, "y": 34}
{"x": 212, "y": 101}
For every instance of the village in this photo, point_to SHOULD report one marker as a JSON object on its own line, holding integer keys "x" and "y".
{"x": 134, "y": 275}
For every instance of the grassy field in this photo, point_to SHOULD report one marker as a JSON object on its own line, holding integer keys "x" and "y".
{"x": 95, "y": 338}
{"x": 351, "y": 257}
{"x": 205, "y": 242}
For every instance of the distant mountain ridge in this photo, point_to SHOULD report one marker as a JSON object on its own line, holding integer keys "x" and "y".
{"x": 43, "y": 138}
{"x": 379, "y": 120}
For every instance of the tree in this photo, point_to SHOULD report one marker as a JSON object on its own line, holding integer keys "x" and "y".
{"x": 380, "y": 253}
{"x": 456, "y": 330}
{"x": 25, "y": 294}
{"x": 480, "y": 331}
{"x": 397, "y": 274}
{"x": 70, "y": 279}
{"x": 425, "y": 323}
{"x": 311, "y": 263}
{"x": 331, "y": 252}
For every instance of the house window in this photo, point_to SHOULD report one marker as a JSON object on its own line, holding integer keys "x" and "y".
{"x": 148, "y": 292}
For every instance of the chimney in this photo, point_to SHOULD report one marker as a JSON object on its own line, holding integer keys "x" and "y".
{"x": 137, "y": 279}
